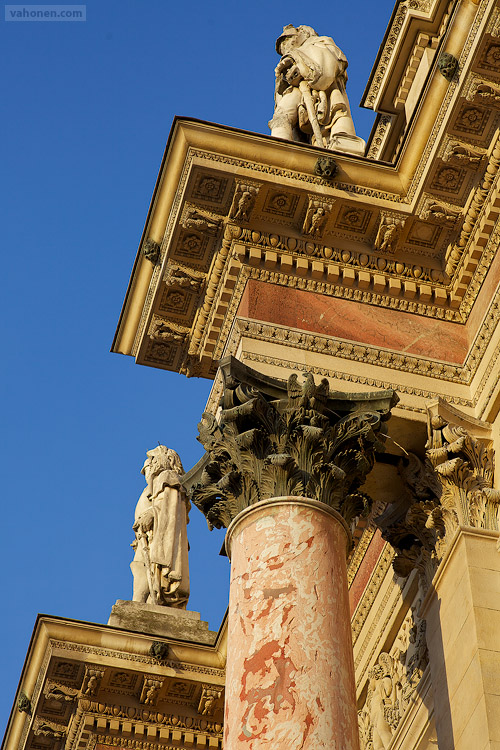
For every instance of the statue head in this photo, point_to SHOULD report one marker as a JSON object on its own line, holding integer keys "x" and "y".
{"x": 292, "y": 37}
{"x": 161, "y": 459}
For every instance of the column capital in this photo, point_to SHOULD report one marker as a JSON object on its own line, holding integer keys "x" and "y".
{"x": 451, "y": 488}
{"x": 275, "y": 438}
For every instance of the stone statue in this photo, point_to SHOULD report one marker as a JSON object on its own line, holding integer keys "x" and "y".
{"x": 311, "y": 104}
{"x": 160, "y": 566}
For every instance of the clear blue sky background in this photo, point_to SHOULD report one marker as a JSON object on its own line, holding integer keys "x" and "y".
{"x": 87, "y": 111}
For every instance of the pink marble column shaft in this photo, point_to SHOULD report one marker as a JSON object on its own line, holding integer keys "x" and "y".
{"x": 290, "y": 671}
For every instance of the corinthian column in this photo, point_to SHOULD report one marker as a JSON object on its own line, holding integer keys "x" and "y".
{"x": 282, "y": 471}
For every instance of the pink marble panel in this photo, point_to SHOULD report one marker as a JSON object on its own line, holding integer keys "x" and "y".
{"x": 290, "y": 672}
{"x": 355, "y": 321}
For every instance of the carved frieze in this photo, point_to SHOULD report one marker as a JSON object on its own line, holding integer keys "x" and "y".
{"x": 274, "y": 439}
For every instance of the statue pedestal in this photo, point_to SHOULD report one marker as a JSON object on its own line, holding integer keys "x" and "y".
{"x": 347, "y": 144}
{"x": 167, "y": 622}
{"x": 290, "y": 671}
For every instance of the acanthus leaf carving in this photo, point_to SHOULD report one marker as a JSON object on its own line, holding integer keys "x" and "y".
{"x": 273, "y": 439}
{"x": 452, "y": 488}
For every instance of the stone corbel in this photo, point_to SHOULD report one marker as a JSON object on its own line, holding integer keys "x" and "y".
{"x": 184, "y": 277}
{"x": 201, "y": 221}
{"x": 457, "y": 152}
{"x": 318, "y": 211}
{"x": 440, "y": 212}
{"x": 53, "y": 691}
{"x": 483, "y": 91}
{"x": 49, "y": 729}
{"x": 209, "y": 700}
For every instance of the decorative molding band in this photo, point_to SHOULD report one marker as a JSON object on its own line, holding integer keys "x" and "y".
{"x": 372, "y": 382}
{"x": 352, "y": 351}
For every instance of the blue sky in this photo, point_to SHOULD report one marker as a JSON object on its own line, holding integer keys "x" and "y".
{"x": 88, "y": 107}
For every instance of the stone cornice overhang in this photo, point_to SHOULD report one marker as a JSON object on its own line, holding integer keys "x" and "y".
{"x": 179, "y": 311}
{"x": 104, "y": 645}
{"x": 190, "y": 133}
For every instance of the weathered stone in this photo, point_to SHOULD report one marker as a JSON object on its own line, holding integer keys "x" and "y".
{"x": 162, "y": 621}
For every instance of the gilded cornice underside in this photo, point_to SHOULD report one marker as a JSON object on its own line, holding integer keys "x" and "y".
{"x": 85, "y": 695}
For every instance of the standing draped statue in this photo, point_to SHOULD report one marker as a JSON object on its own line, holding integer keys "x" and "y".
{"x": 160, "y": 565}
{"x": 311, "y": 103}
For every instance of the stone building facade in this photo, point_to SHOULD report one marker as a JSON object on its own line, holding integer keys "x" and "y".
{"x": 269, "y": 266}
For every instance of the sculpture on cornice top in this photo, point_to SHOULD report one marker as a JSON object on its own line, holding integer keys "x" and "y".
{"x": 160, "y": 566}
{"x": 311, "y": 103}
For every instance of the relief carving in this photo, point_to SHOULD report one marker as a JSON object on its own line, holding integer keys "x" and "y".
{"x": 392, "y": 683}
{"x": 243, "y": 202}
{"x": 316, "y": 217}
{"x": 151, "y": 250}
{"x": 201, "y": 221}
{"x": 150, "y": 691}
{"x": 59, "y": 693}
{"x": 486, "y": 91}
{"x": 452, "y": 487}
{"x": 441, "y": 212}
{"x": 457, "y": 152}
{"x": 210, "y": 696}
{"x": 92, "y": 681}
{"x": 389, "y": 233}
{"x": 184, "y": 277}
{"x": 464, "y": 467}
{"x": 164, "y": 330}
